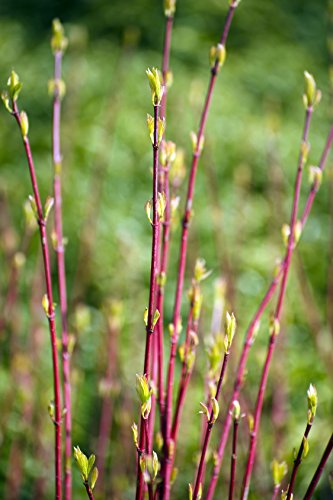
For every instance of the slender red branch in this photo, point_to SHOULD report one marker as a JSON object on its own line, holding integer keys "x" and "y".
{"x": 60, "y": 251}
{"x": 233, "y": 460}
{"x": 251, "y": 329}
{"x": 164, "y": 187}
{"x": 319, "y": 471}
{"x": 209, "y": 427}
{"x": 88, "y": 490}
{"x": 278, "y": 310}
{"x": 51, "y": 314}
{"x": 152, "y": 293}
{"x": 297, "y": 462}
{"x": 185, "y": 227}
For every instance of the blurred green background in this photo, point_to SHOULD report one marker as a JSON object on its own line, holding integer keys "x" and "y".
{"x": 243, "y": 196}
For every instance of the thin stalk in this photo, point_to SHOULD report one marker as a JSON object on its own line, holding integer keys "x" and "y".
{"x": 51, "y": 314}
{"x": 186, "y": 373}
{"x": 185, "y": 227}
{"x": 88, "y": 490}
{"x": 276, "y": 491}
{"x": 164, "y": 175}
{"x": 152, "y": 294}
{"x": 298, "y": 461}
{"x": 319, "y": 471}
{"x": 209, "y": 428}
{"x": 60, "y": 252}
{"x": 278, "y": 310}
{"x": 254, "y": 322}
{"x": 233, "y": 459}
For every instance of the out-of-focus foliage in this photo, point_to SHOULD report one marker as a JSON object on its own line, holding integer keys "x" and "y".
{"x": 243, "y": 196}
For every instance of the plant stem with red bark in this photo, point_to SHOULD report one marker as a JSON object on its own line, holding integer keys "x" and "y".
{"x": 60, "y": 252}
{"x": 320, "y": 468}
{"x": 185, "y": 227}
{"x": 278, "y": 310}
{"x": 51, "y": 313}
{"x": 152, "y": 293}
{"x": 297, "y": 461}
{"x": 255, "y": 321}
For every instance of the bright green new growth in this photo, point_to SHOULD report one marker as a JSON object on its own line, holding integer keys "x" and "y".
{"x": 85, "y": 466}
{"x": 144, "y": 393}
{"x": 312, "y": 402}
{"x": 58, "y": 41}
{"x": 279, "y": 470}
{"x": 230, "y": 331}
{"x": 155, "y": 83}
{"x": 169, "y": 8}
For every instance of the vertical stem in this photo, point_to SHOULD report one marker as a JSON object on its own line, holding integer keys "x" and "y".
{"x": 152, "y": 295}
{"x": 233, "y": 460}
{"x": 60, "y": 251}
{"x": 184, "y": 236}
{"x": 51, "y": 313}
{"x": 254, "y": 322}
{"x": 209, "y": 427}
{"x": 89, "y": 491}
{"x": 319, "y": 471}
{"x": 277, "y": 314}
{"x": 297, "y": 462}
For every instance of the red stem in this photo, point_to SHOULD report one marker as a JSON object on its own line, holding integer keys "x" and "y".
{"x": 209, "y": 427}
{"x": 233, "y": 460}
{"x": 60, "y": 251}
{"x": 297, "y": 462}
{"x": 88, "y": 490}
{"x": 276, "y": 492}
{"x": 152, "y": 294}
{"x": 51, "y": 314}
{"x": 249, "y": 333}
{"x": 277, "y": 314}
{"x": 319, "y": 471}
{"x": 184, "y": 236}
{"x": 166, "y": 225}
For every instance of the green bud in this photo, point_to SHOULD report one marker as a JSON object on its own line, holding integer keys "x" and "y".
{"x": 82, "y": 462}
{"x": 200, "y": 271}
{"x": 161, "y": 204}
{"x": 14, "y": 86}
{"x": 160, "y": 129}
{"x": 197, "y": 303}
{"x": 235, "y": 412}
{"x": 144, "y": 394}
{"x": 24, "y": 122}
{"x": 150, "y": 125}
{"x": 190, "y": 492}
{"x": 56, "y": 87}
{"x": 285, "y": 231}
{"x": 279, "y": 470}
{"x": 217, "y": 55}
{"x": 204, "y": 410}
{"x": 312, "y": 402}
{"x": 215, "y": 408}
{"x": 168, "y": 153}
{"x": 155, "y": 84}
{"x": 230, "y": 331}
{"x": 305, "y": 447}
{"x": 156, "y": 317}
{"x": 59, "y": 42}
{"x": 305, "y": 150}
{"x": 169, "y": 8}
{"x": 250, "y": 422}
{"x": 274, "y": 325}
{"x": 48, "y": 206}
{"x": 6, "y": 100}
{"x": 46, "y": 304}
{"x": 178, "y": 169}
{"x": 310, "y": 91}
{"x": 159, "y": 440}
{"x": 94, "y": 477}
{"x": 148, "y": 209}
{"x": 197, "y": 147}
{"x": 51, "y": 409}
{"x": 174, "y": 474}
{"x": 33, "y": 206}
{"x": 155, "y": 465}
{"x": 161, "y": 279}
{"x": 315, "y": 176}
{"x": 19, "y": 260}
